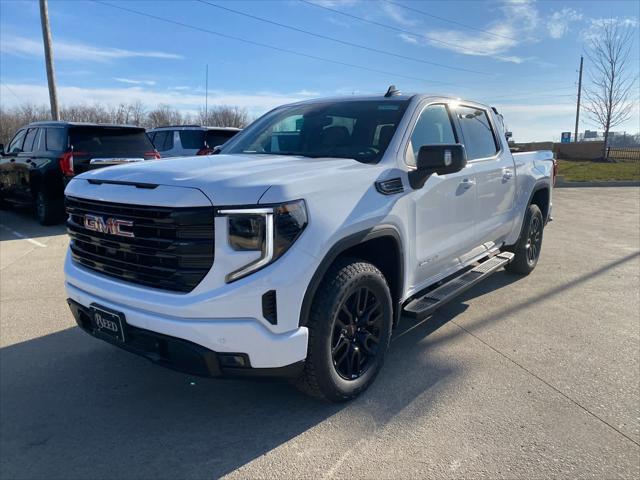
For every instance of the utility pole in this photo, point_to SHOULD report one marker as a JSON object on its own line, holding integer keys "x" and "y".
{"x": 48, "y": 57}
{"x": 575, "y": 137}
{"x": 206, "y": 94}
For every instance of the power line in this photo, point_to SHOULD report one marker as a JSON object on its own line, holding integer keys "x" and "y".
{"x": 11, "y": 91}
{"x": 464, "y": 25}
{"x": 343, "y": 42}
{"x": 391, "y": 27}
{"x": 265, "y": 45}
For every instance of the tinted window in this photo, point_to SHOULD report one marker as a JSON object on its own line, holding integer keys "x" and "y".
{"x": 432, "y": 128}
{"x": 345, "y": 129}
{"x": 163, "y": 140}
{"x": 479, "y": 140}
{"x": 16, "y": 144}
{"x": 28, "y": 140}
{"x": 108, "y": 142}
{"x": 215, "y": 138}
{"x": 193, "y": 139}
{"x": 56, "y": 139}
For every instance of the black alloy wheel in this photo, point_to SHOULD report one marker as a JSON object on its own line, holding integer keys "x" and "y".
{"x": 534, "y": 239}
{"x": 357, "y": 329}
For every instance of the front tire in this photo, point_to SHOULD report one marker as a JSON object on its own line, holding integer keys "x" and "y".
{"x": 349, "y": 331}
{"x": 527, "y": 250}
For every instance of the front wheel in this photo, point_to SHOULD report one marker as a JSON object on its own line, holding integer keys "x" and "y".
{"x": 349, "y": 331}
{"x": 527, "y": 250}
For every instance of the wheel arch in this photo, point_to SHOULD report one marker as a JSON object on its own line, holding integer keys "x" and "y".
{"x": 364, "y": 245}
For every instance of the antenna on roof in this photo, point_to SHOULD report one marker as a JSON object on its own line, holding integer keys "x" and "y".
{"x": 392, "y": 91}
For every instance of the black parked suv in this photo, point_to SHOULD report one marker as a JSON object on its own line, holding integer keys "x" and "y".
{"x": 43, "y": 156}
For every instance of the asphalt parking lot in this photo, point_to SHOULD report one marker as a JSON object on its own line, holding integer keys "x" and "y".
{"x": 531, "y": 377}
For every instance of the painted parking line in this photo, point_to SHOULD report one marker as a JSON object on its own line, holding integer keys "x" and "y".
{"x": 23, "y": 237}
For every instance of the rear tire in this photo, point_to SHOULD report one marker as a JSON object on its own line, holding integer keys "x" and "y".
{"x": 527, "y": 250}
{"x": 48, "y": 210}
{"x": 349, "y": 331}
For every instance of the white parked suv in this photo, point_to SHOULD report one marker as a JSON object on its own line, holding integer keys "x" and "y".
{"x": 296, "y": 250}
{"x": 188, "y": 140}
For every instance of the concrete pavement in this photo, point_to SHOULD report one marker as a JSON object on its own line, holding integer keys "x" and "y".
{"x": 532, "y": 377}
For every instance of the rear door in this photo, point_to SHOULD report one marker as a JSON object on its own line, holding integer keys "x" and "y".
{"x": 495, "y": 173}
{"x": 444, "y": 206}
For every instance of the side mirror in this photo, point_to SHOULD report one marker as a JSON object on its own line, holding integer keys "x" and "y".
{"x": 440, "y": 159}
{"x": 216, "y": 150}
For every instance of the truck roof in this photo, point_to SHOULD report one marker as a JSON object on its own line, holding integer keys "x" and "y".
{"x": 397, "y": 97}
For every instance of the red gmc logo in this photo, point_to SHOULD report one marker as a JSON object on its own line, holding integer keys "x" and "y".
{"x": 109, "y": 225}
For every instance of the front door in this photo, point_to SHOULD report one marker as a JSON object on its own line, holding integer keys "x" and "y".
{"x": 444, "y": 206}
{"x": 8, "y": 176}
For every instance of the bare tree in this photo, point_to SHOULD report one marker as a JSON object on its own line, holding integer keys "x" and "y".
{"x": 608, "y": 102}
{"x": 224, "y": 116}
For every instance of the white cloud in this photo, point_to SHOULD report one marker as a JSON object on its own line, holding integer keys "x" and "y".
{"x": 409, "y": 38}
{"x": 596, "y": 25}
{"x": 559, "y": 21}
{"x": 65, "y": 50}
{"x": 396, "y": 14}
{"x": 519, "y": 19}
{"x": 335, "y": 3}
{"x": 131, "y": 81}
{"x": 256, "y": 103}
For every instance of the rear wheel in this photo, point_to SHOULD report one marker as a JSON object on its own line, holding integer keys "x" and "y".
{"x": 48, "y": 210}
{"x": 349, "y": 331}
{"x": 527, "y": 250}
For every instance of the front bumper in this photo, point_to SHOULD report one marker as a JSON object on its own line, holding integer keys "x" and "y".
{"x": 179, "y": 354}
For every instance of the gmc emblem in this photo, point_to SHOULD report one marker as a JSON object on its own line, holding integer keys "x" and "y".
{"x": 113, "y": 226}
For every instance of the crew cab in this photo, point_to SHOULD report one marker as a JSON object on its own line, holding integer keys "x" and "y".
{"x": 297, "y": 249}
{"x": 42, "y": 157}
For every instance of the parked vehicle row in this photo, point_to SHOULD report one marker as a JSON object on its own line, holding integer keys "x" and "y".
{"x": 43, "y": 156}
{"x": 296, "y": 250}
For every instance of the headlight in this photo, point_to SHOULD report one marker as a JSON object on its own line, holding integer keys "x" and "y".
{"x": 270, "y": 230}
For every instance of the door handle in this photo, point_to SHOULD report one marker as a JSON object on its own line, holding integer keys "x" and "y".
{"x": 507, "y": 174}
{"x": 467, "y": 183}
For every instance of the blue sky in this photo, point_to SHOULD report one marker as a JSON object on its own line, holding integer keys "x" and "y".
{"x": 521, "y": 56}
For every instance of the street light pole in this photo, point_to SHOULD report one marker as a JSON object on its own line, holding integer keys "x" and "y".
{"x": 575, "y": 137}
{"x": 48, "y": 56}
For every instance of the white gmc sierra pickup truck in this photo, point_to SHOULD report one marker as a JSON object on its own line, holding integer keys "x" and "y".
{"x": 295, "y": 250}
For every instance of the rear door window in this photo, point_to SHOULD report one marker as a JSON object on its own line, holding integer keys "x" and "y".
{"x": 192, "y": 139}
{"x": 479, "y": 138}
{"x": 110, "y": 142}
{"x": 29, "y": 140}
{"x": 163, "y": 140}
{"x": 56, "y": 139}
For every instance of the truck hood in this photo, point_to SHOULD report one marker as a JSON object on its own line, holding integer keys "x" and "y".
{"x": 233, "y": 179}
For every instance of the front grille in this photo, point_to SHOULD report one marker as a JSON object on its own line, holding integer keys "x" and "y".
{"x": 172, "y": 248}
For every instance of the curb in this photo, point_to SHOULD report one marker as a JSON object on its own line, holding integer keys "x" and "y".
{"x": 561, "y": 183}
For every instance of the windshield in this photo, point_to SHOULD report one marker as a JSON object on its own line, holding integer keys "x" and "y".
{"x": 360, "y": 130}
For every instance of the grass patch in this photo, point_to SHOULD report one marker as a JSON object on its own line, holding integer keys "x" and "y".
{"x": 587, "y": 171}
